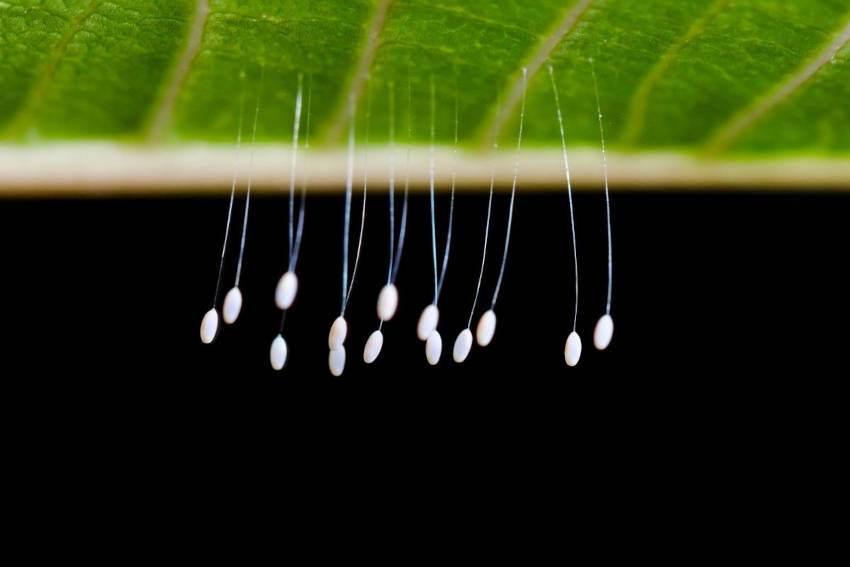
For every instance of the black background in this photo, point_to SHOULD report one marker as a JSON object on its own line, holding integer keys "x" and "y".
{"x": 742, "y": 284}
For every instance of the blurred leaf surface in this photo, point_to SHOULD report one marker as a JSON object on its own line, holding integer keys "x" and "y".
{"x": 673, "y": 75}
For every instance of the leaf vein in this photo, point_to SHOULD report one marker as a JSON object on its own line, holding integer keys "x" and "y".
{"x": 728, "y": 133}
{"x": 533, "y": 64}
{"x": 639, "y": 103}
{"x": 164, "y": 112}
{"x": 35, "y": 98}
{"x": 358, "y": 80}
{"x": 476, "y": 18}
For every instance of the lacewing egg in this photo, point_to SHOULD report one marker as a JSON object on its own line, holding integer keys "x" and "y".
{"x": 336, "y": 361}
{"x": 339, "y": 330}
{"x": 287, "y": 287}
{"x": 572, "y": 350}
{"x": 387, "y": 302}
{"x": 486, "y": 328}
{"x": 463, "y": 344}
{"x": 278, "y": 353}
{"x": 373, "y": 347}
{"x": 603, "y": 332}
{"x": 434, "y": 347}
{"x": 232, "y": 305}
{"x": 427, "y": 322}
{"x": 209, "y": 326}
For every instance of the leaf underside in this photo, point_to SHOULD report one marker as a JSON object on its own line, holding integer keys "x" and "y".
{"x": 723, "y": 78}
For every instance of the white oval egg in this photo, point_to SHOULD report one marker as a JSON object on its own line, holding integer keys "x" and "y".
{"x": 339, "y": 330}
{"x": 603, "y": 332}
{"x": 287, "y": 287}
{"x": 209, "y": 326}
{"x": 434, "y": 347}
{"x": 336, "y": 361}
{"x": 486, "y": 328}
{"x": 387, "y": 302}
{"x": 427, "y": 322}
{"x": 373, "y": 347}
{"x": 232, "y": 305}
{"x": 572, "y": 350}
{"x": 278, "y": 353}
{"x": 463, "y": 344}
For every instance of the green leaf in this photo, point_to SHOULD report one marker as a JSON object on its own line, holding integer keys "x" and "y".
{"x": 717, "y": 80}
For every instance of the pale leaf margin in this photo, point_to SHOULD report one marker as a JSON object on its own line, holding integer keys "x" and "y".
{"x": 106, "y": 169}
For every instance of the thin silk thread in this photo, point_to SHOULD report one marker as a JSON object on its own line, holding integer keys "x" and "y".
{"x": 365, "y": 190}
{"x": 486, "y": 233}
{"x": 607, "y": 196}
{"x": 392, "y": 180}
{"x": 250, "y": 179}
{"x": 451, "y": 206}
{"x": 569, "y": 189}
{"x": 402, "y": 231}
{"x": 232, "y": 191}
{"x": 299, "y": 231}
{"x": 513, "y": 193}
{"x": 349, "y": 181}
{"x": 292, "y": 172}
